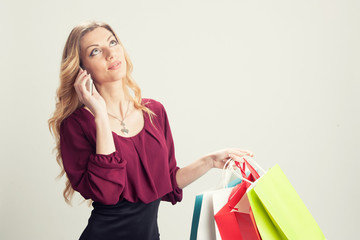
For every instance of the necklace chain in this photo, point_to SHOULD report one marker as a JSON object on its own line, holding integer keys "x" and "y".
{"x": 124, "y": 129}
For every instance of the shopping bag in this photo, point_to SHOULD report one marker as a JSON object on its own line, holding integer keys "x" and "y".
{"x": 220, "y": 198}
{"x": 206, "y": 228}
{"x": 203, "y": 223}
{"x": 196, "y": 217}
{"x": 278, "y": 210}
{"x": 234, "y": 220}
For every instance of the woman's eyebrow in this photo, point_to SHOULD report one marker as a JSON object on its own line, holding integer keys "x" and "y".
{"x": 94, "y": 45}
{"x": 110, "y": 37}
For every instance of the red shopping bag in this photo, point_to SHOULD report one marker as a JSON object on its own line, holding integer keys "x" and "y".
{"x": 254, "y": 224}
{"x": 234, "y": 220}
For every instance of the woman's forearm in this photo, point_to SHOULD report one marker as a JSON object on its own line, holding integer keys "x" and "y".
{"x": 190, "y": 173}
{"x": 104, "y": 138}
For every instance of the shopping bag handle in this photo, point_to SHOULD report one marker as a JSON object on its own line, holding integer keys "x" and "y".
{"x": 238, "y": 191}
{"x": 242, "y": 165}
{"x": 250, "y": 161}
{"x": 230, "y": 164}
{"x": 227, "y": 172}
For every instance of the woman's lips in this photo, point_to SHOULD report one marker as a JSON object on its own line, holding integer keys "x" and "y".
{"x": 115, "y": 65}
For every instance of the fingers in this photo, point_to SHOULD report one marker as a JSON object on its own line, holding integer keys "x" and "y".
{"x": 238, "y": 154}
{"x": 95, "y": 91}
{"x": 241, "y": 152}
{"x": 219, "y": 158}
{"x": 237, "y": 158}
{"x": 80, "y": 85}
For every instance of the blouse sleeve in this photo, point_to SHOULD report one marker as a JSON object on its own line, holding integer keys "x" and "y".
{"x": 95, "y": 176}
{"x": 176, "y": 194}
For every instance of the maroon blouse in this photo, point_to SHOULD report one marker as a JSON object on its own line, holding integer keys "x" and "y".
{"x": 142, "y": 168}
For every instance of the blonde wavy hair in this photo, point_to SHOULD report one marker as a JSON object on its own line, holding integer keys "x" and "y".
{"x": 67, "y": 100}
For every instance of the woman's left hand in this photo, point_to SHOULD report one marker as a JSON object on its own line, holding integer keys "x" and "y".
{"x": 193, "y": 171}
{"x": 218, "y": 159}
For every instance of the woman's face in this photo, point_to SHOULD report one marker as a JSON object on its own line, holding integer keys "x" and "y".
{"x": 102, "y": 56}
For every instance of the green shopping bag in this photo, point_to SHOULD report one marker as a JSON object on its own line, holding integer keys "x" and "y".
{"x": 278, "y": 210}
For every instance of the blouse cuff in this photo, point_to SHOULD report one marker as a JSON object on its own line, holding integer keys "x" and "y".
{"x": 112, "y": 160}
{"x": 177, "y": 193}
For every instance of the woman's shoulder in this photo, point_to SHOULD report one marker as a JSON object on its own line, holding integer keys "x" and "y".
{"x": 80, "y": 116}
{"x": 154, "y": 105}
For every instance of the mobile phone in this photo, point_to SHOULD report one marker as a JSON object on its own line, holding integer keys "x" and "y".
{"x": 90, "y": 85}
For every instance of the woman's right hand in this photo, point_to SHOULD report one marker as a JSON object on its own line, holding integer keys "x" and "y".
{"x": 94, "y": 102}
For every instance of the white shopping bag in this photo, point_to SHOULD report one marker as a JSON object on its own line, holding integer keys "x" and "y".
{"x": 203, "y": 223}
{"x": 220, "y": 198}
{"x": 206, "y": 228}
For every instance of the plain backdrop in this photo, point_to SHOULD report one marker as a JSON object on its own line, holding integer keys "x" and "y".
{"x": 280, "y": 78}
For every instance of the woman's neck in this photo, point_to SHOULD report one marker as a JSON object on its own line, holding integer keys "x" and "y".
{"x": 115, "y": 97}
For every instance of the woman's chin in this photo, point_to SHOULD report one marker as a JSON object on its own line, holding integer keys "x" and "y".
{"x": 116, "y": 77}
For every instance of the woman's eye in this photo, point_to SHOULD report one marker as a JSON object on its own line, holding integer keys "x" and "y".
{"x": 113, "y": 43}
{"x": 94, "y": 52}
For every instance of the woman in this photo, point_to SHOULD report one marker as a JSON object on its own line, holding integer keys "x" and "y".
{"x": 116, "y": 149}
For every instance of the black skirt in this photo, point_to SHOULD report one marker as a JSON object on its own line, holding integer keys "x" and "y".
{"x": 123, "y": 221}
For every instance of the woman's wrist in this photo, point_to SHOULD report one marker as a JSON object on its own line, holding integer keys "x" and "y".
{"x": 101, "y": 115}
{"x": 104, "y": 138}
{"x": 207, "y": 161}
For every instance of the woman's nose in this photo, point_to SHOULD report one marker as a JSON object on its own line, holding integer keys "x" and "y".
{"x": 110, "y": 54}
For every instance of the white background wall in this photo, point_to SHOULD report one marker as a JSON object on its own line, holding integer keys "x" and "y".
{"x": 279, "y": 77}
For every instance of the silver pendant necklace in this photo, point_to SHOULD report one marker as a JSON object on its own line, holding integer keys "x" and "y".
{"x": 124, "y": 130}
